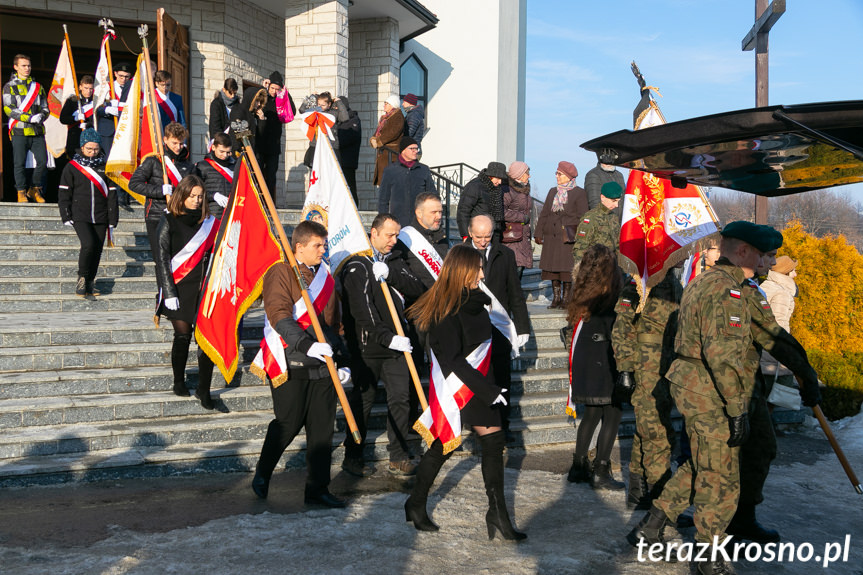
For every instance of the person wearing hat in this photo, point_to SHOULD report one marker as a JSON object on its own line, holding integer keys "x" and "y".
{"x": 415, "y": 117}
{"x": 88, "y": 202}
{"x": 483, "y": 195}
{"x": 269, "y": 146}
{"x": 555, "y": 230}
{"x": 109, "y": 112}
{"x": 601, "y": 225}
{"x": 711, "y": 382}
{"x": 517, "y": 213}
{"x": 402, "y": 181}
{"x": 388, "y": 134}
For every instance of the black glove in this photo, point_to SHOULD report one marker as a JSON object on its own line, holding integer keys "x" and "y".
{"x": 624, "y": 386}
{"x": 810, "y": 391}
{"x": 739, "y": 429}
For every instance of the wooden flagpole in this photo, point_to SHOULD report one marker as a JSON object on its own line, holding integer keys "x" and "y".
{"x": 155, "y": 120}
{"x": 410, "y": 358}
{"x": 74, "y": 76}
{"x": 242, "y": 131}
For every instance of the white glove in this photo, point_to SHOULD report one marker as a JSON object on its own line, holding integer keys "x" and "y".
{"x": 77, "y": 114}
{"x": 69, "y": 223}
{"x": 521, "y": 340}
{"x": 35, "y": 119}
{"x": 344, "y": 375}
{"x": 500, "y": 398}
{"x": 221, "y": 199}
{"x": 381, "y": 270}
{"x": 401, "y": 343}
{"x": 167, "y": 189}
{"x": 115, "y": 103}
{"x": 112, "y": 110}
{"x": 172, "y": 303}
{"x": 320, "y": 350}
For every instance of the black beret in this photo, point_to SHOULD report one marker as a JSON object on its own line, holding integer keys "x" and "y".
{"x": 759, "y": 237}
{"x": 776, "y": 236}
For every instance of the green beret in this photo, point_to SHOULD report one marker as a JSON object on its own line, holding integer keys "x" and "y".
{"x": 776, "y": 236}
{"x": 759, "y": 237}
{"x": 611, "y": 190}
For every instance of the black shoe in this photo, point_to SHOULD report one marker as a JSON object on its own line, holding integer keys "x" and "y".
{"x": 415, "y": 512}
{"x": 357, "y": 467}
{"x": 181, "y": 389}
{"x": 91, "y": 288}
{"x": 753, "y": 531}
{"x": 719, "y": 567}
{"x": 650, "y": 530}
{"x": 580, "y": 470}
{"x": 260, "y": 485}
{"x": 685, "y": 521}
{"x": 638, "y": 497}
{"x": 601, "y": 477}
{"x": 206, "y": 400}
{"x": 81, "y": 287}
{"x": 326, "y": 499}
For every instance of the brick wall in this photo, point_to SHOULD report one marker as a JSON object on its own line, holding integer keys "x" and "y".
{"x": 374, "y": 75}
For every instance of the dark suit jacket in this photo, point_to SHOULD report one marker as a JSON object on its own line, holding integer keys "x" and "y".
{"x": 501, "y": 277}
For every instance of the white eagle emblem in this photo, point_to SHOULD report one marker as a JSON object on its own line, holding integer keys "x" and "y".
{"x": 228, "y": 276}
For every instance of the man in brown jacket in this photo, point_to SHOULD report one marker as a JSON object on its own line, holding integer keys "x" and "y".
{"x": 307, "y": 398}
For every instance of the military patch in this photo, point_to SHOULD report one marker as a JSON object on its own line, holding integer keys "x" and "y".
{"x": 734, "y": 321}
{"x": 585, "y": 221}
{"x": 582, "y": 234}
{"x": 626, "y": 303}
{"x": 735, "y": 293}
{"x": 764, "y": 304}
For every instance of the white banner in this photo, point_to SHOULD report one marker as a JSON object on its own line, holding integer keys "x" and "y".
{"x": 62, "y": 86}
{"x": 102, "y": 85}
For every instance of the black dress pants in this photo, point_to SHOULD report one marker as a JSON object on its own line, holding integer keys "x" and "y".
{"x": 302, "y": 402}
{"x": 92, "y": 238}
{"x": 397, "y": 382}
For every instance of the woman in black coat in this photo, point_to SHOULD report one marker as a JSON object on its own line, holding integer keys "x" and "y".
{"x": 187, "y": 223}
{"x": 220, "y": 108}
{"x": 454, "y": 318}
{"x": 250, "y": 110}
{"x": 592, "y": 371}
{"x": 88, "y": 201}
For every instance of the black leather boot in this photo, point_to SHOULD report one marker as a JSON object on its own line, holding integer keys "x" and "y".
{"x": 179, "y": 354}
{"x": 427, "y": 470}
{"x": 601, "y": 477}
{"x": 564, "y": 295}
{"x": 580, "y": 470}
{"x": 744, "y": 525}
{"x": 649, "y": 529}
{"x": 497, "y": 517}
{"x": 638, "y": 496}
{"x": 205, "y": 379}
{"x": 718, "y": 567}
{"x": 555, "y": 289}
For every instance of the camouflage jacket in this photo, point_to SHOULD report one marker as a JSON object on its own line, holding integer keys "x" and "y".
{"x": 598, "y": 226}
{"x": 14, "y": 94}
{"x": 645, "y": 341}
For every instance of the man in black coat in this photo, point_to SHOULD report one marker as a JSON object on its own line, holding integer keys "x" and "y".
{"x": 403, "y": 181}
{"x": 428, "y": 214}
{"x": 217, "y": 171}
{"x": 501, "y": 277}
{"x": 270, "y": 143}
{"x": 109, "y": 112}
{"x": 74, "y": 116}
{"x": 377, "y": 352}
{"x": 483, "y": 195}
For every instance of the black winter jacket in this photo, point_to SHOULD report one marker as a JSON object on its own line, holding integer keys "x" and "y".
{"x": 366, "y": 317}
{"x": 80, "y": 201}
{"x": 215, "y": 182}
{"x": 476, "y": 200}
{"x": 439, "y": 242}
{"x": 241, "y": 112}
{"x": 220, "y": 114}
{"x": 147, "y": 181}
{"x": 271, "y": 136}
{"x": 501, "y": 278}
{"x": 73, "y": 126}
{"x": 349, "y": 135}
{"x": 593, "y": 367}
{"x": 400, "y": 187}
{"x": 174, "y": 233}
{"x": 415, "y": 123}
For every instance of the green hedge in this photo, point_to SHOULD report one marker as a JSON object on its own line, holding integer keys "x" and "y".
{"x": 843, "y": 375}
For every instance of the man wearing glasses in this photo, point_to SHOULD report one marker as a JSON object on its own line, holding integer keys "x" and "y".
{"x": 110, "y": 111}
{"x": 402, "y": 181}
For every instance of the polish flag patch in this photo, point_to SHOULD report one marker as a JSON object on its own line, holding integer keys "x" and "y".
{"x": 735, "y": 293}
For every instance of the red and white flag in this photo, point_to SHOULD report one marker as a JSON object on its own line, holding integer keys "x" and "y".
{"x": 570, "y": 405}
{"x": 244, "y": 250}
{"x": 447, "y": 396}
{"x": 62, "y": 86}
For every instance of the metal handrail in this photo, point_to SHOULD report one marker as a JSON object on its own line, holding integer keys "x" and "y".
{"x": 450, "y": 192}
{"x": 456, "y": 172}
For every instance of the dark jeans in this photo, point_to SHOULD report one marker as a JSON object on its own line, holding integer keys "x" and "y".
{"x": 92, "y": 238}
{"x": 297, "y": 403}
{"x": 20, "y": 146}
{"x": 397, "y": 382}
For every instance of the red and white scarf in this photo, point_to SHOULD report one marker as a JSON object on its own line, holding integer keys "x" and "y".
{"x": 29, "y": 99}
{"x": 570, "y": 405}
{"x": 173, "y": 173}
{"x": 167, "y": 106}
{"x": 270, "y": 360}
{"x": 88, "y": 110}
{"x": 93, "y": 176}
{"x": 193, "y": 252}
{"x": 447, "y": 396}
{"x": 226, "y": 172}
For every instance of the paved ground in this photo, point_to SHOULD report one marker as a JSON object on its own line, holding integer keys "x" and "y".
{"x": 213, "y": 523}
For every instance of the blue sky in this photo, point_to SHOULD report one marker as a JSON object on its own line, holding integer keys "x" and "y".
{"x": 579, "y": 83}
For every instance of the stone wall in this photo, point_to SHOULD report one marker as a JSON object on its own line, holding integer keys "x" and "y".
{"x": 374, "y": 75}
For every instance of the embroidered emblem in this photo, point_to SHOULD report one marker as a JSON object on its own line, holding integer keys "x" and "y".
{"x": 734, "y": 321}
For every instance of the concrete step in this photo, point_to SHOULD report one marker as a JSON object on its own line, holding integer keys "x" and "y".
{"x": 46, "y": 269}
{"x": 56, "y": 254}
{"x": 68, "y": 237}
{"x": 66, "y": 286}
{"x": 53, "y": 223}
{"x": 70, "y": 303}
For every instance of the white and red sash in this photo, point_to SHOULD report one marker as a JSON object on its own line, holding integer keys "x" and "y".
{"x": 270, "y": 360}
{"x": 193, "y": 252}
{"x": 447, "y": 396}
{"x": 570, "y": 405}
{"x": 88, "y": 110}
{"x": 173, "y": 173}
{"x": 690, "y": 268}
{"x": 93, "y": 176}
{"x": 167, "y": 106}
{"x": 422, "y": 249}
{"x": 227, "y": 173}
{"x": 29, "y": 99}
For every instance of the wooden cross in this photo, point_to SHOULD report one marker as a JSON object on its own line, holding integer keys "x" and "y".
{"x": 765, "y": 17}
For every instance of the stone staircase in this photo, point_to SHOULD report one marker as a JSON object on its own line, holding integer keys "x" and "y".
{"x": 85, "y": 384}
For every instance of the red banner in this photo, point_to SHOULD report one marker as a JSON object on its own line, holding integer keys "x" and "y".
{"x": 245, "y": 250}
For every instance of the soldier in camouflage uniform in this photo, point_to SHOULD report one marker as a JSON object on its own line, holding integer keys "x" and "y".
{"x": 711, "y": 382}
{"x": 643, "y": 348}
{"x": 600, "y": 225}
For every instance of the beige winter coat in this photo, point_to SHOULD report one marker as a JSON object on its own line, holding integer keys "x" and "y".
{"x": 780, "y": 290}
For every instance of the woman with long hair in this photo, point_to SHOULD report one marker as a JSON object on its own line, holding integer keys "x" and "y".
{"x": 186, "y": 233}
{"x": 592, "y": 370}
{"x": 453, "y": 317}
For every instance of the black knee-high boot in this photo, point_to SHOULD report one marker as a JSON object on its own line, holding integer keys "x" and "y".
{"x": 205, "y": 378}
{"x": 179, "y": 354}
{"x": 427, "y": 470}
{"x": 492, "y": 474}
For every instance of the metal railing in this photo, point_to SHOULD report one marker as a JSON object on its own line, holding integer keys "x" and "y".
{"x": 450, "y": 180}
